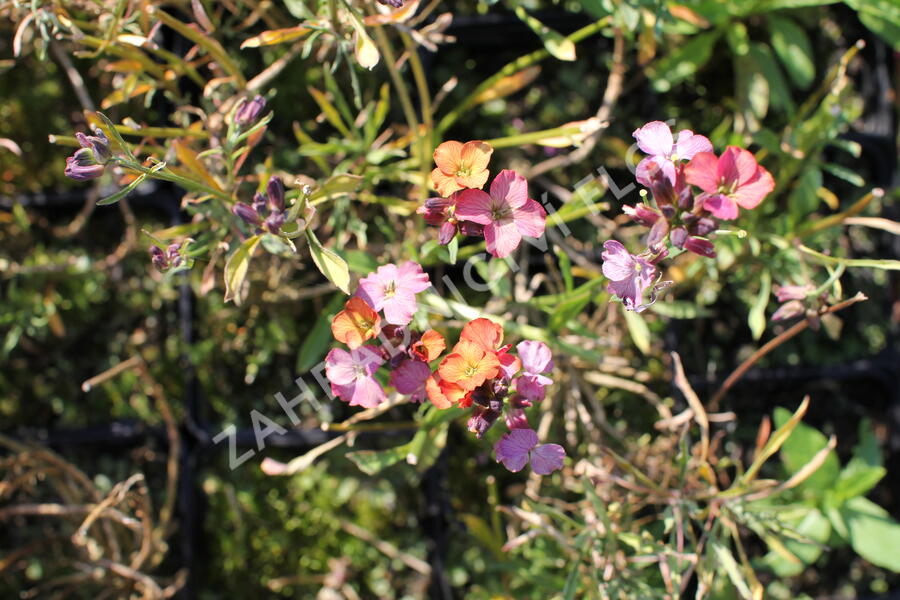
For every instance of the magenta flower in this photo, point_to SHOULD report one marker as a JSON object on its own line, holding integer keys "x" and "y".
{"x": 655, "y": 138}
{"x": 410, "y": 377}
{"x": 734, "y": 179}
{"x": 507, "y": 213}
{"x": 628, "y": 275}
{"x": 393, "y": 289}
{"x": 516, "y": 448}
{"x": 351, "y": 376}
{"x": 536, "y": 360}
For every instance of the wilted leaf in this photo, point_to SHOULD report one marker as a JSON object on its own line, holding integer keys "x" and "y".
{"x": 273, "y": 37}
{"x": 508, "y": 85}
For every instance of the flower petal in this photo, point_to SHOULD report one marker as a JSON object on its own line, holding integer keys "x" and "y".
{"x": 536, "y": 356}
{"x": 475, "y": 155}
{"x": 531, "y": 219}
{"x": 483, "y": 332}
{"x": 721, "y": 206}
{"x": 368, "y": 393}
{"x": 411, "y": 277}
{"x": 513, "y": 448}
{"x": 410, "y": 377}
{"x": 443, "y": 183}
{"x": 448, "y": 157}
{"x": 510, "y": 187}
{"x": 654, "y": 138}
{"x": 339, "y": 367}
{"x": 618, "y": 264}
{"x": 702, "y": 171}
{"x": 689, "y": 144}
{"x": 751, "y": 193}
{"x": 502, "y": 238}
{"x": 474, "y": 206}
{"x": 547, "y": 458}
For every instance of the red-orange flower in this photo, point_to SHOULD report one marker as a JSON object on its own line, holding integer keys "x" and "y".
{"x": 460, "y": 166}
{"x": 444, "y": 394}
{"x": 469, "y": 365}
{"x": 429, "y": 346}
{"x": 484, "y": 332}
{"x": 355, "y": 324}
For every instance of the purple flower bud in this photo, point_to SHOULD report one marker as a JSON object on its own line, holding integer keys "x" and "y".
{"x": 275, "y": 191}
{"x": 700, "y": 246}
{"x": 473, "y": 229}
{"x": 259, "y": 203}
{"x": 641, "y": 214}
{"x": 81, "y": 166}
{"x": 247, "y": 213}
{"x": 789, "y": 310}
{"x": 446, "y": 233}
{"x": 173, "y": 254}
{"x": 248, "y": 112}
{"x": 678, "y": 237}
{"x": 792, "y": 292}
{"x": 657, "y": 233}
{"x": 482, "y": 419}
{"x": 98, "y": 144}
{"x": 158, "y": 258}
{"x": 274, "y": 222}
{"x": 704, "y": 226}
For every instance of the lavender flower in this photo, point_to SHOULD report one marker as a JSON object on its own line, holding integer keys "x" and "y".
{"x": 629, "y": 275}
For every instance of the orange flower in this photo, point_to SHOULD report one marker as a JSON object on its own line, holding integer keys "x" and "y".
{"x": 469, "y": 365}
{"x": 429, "y": 346}
{"x": 484, "y": 332}
{"x": 444, "y": 394}
{"x": 460, "y": 166}
{"x": 355, "y": 324}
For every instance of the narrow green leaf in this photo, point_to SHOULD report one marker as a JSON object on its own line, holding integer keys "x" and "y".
{"x": 637, "y": 327}
{"x": 728, "y": 563}
{"x": 556, "y": 44}
{"x": 793, "y": 48}
{"x": 113, "y": 198}
{"x": 319, "y": 338}
{"x": 756, "y": 319}
{"x": 236, "y": 268}
{"x": 329, "y": 263}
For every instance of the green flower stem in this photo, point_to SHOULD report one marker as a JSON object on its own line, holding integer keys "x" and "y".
{"x": 533, "y": 136}
{"x": 162, "y": 132}
{"x": 425, "y": 100}
{"x": 523, "y": 62}
{"x": 166, "y": 175}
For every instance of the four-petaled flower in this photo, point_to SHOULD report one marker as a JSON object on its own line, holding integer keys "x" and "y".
{"x": 536, "y": 360}
{"x": 469, "y": 365}
{"x": 460, "y": 166}
{"x": 516, "y": 448}
{"x": 734, "y": 179}
{"x": 655, "y": 138}
{"x": 629, "y": 275}
{"x": 393, "y": 289}
{"x": 507, "y": 213}
{"x": 356, "y": 324}
{"x": 352, "y": 376}
{"x": 409, "y": 379}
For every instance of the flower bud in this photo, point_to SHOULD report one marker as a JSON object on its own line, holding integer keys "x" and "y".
{"x": 789, "y": 310}
{"x": 704, "y": 226}
{"x": 274, "y": 222}
{"x": 275, "y": 192}
{"x": 482, "y": 419}
{"x": 641, "y": 214}
{"x": 247, "y": 213}
{"x": 248, "y": 112}
{"x": 158, "y": 258}
{"x": 657, "y": 233}
{"x": 259, "y": 203}
{"x": 98, "y": 144}
{"x": 81, "y": 166}
{"x": 700, "y": 246}
{"x": 792, "y": 292}
{"x": 173, "y": 254}
{"x": 678, "y": 237}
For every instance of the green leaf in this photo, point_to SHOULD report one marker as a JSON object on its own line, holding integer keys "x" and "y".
{"x": 756, "y": 319}
{"x": 453, "y": 250}
{"x": 793, "y": 48}
{"x": 874, "y": 535}
{"x": 801, "y": 447}
{"x": 372, "y": 462}
{"x": 555, "y": 43}
{"x": 637, "y": 327}
{"x": 728, "y": 563}
{"x": 679, "y": 309}
{"x": 426, "y": 446}
{"x": 329, "y": 263}
{"x": 113, "y": 198}
{"x": 236, "y": 268}
{"x": 845, "y": 174}
{"x": 571, "y": 587}
{"x": 113, "y": 133}
{"x": 881, "y": 16}
{"x": 565, "y": 267}
{"x": 804, "y": 198}
{"x": 864, "y": 470}
{"x": 336, "y": 185}
{"x": 780, "y": 93}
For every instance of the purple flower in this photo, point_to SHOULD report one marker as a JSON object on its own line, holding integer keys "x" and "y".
{"x": 89, "y": 161}
{"x": 482, "y": 419}
{"x": 247, "y": 213}
{"x": 393, "y": 289}
{"x": 158, "y": 258}
{"x": 792, "y": 292}
{"x": 655, "y": 138}
{"x": 410, "y": 377}
{"x": 700, "y": 246}
{"x": 517, "y": 447}
{"x": 536, "y": 360}
{"x": 248, "y": 112}
{"x": 275, "y": 193}
{"x": 351, "y": 376}
{"x": 629, "y": 275}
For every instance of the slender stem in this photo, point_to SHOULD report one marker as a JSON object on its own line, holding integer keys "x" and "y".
{"x": 772, "y": 345}
{"x": 425, "y": 102}
{"x": 167, "y": 175}
{"x": 402, "y": 90}
{"x": 533, "y": 136}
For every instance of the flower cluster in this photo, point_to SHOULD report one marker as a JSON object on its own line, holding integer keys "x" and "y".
{"x": 90, "y": 160}
{"x": 479, "y": 372}
{"x": 164, "y": 260}
{"x": 267, "y": 212}
{"x": 678, "y": 213}
{"x": 502, "y": 217}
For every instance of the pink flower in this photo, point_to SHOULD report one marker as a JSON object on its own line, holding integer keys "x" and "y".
{"x": 536, "y": 360}
{"x": 655, "y": 138}
{"x": 393, "y": 289}
{"x": 507, "y": 213}
{"x": 351, "y": 376}
{"x": 792, "y": 292}
{"x": 629, "y": 275}
{"x": 732, "y": 180}
{"x": 519, "y": 446}
{"x": 409, "y": 379}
